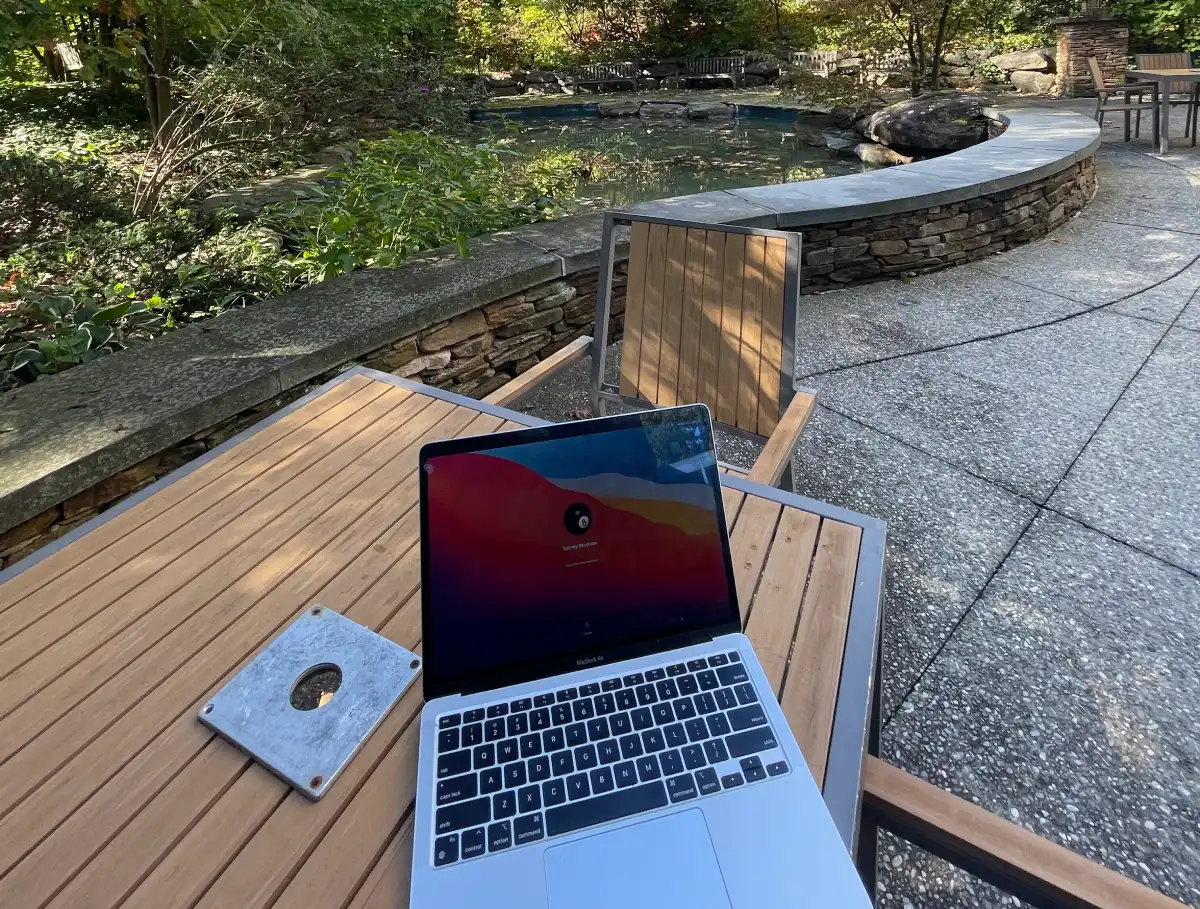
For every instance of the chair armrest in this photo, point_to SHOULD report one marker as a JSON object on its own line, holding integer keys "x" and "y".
{"x": 527, "y": 382}
{"x": 998, "y": 851}
{"x": 777, "y": 453}
{"x": 1133, "y": 87}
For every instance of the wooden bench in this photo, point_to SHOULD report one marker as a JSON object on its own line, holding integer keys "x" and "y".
{"x": 603, "y": 74}
{"x": 710, "y": 69}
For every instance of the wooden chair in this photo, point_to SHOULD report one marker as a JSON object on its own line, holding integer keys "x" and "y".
{"x": 1106, "y": 93}
{"x": 1185, "y": 93}
{"x": 710, "y": 317}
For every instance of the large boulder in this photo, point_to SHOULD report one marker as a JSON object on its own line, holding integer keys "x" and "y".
{"x": 1028, "y": 83}
{"x": 618, "y": 108}
{"x": 1030, "y": 61}
{"x": 933, "y": 123}
{"x": 880, "y": 155}
{"x": 841, "y": 141}
{"x": 846, "y": 117}
{"x": 709, "y": 110}
{"x": 661, "y": 110}
{"x": 764, "y": 68}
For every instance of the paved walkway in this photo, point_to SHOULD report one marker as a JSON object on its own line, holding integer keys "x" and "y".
{"x": 1029, "y": 427}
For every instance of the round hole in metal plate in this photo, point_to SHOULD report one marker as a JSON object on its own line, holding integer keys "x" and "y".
{"x": 316, "y": 687}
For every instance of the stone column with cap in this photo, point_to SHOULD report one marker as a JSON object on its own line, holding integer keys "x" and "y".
{"x": 1094, "y": 32}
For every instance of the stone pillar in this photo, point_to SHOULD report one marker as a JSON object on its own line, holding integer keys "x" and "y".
{"x": 1093, "y": 33}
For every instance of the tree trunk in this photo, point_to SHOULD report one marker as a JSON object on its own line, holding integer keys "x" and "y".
{"x": 110, "y": 77}
{"x": 939, "y": 40}
{"x": 156, "y": 73}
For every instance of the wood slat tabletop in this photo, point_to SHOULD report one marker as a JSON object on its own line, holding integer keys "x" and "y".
{"x": 113, "y": 794}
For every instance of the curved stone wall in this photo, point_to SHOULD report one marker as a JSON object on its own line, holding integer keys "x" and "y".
{"x": 471, "y": 324}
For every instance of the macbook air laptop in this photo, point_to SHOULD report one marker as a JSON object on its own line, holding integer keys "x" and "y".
{"x": 597, "y": 732}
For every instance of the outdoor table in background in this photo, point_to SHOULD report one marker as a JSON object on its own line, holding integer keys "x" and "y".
{"x": 114, "y": 794}
{"x": 1164, "y": 78}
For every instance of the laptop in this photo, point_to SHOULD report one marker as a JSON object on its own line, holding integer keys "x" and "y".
{"x": 597, "y": 732}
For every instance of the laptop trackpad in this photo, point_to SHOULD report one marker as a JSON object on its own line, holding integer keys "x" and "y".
{"x": 667, "y": 863}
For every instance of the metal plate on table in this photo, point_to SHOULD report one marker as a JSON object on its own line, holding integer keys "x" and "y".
{"x": 308, "y": 745}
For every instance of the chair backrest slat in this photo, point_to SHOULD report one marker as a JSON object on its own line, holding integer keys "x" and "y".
{"x": 705, "y": 320}
{"x": 1097, "y": 76}
{"x": 1168, "y": 61}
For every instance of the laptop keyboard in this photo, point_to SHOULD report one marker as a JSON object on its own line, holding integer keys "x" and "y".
{"x": 517, "y": 772}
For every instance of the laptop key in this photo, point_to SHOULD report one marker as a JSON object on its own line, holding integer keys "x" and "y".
{"x": 602, "y": 780}
{"x": 563, "y": 763}
{"x": 457, "y": 788}
{"x": 518, "y": 724}
{"x": 734, "y": 656}
{"x": 520, "y": 705}
{"x": 777, "y": 768}
{"x": 631, "y": 746}
{"x": 553, "y": 740}
{"x": 667, "y": 689}
{"x": 507, "y": 751}
{"x": 472, "y": 735}
{"x": 705, "y": 702}
{"x": 528, "y": 829}
{"x": 554, "y": 792}
{"x": 445, "y": 850}
{"x": 610, "y": 684}
{"x": 663, "y": 714}
{"x": 448, "y": 740}
{"x": 688, "y": 684}
{"x": 583, "y": 709}
{"x": 718, "y": 659}
{"x": 591, "y": 688}
{"x": 499, "y": 836}
{"x": 491, "y": 780}
{"x": 715, "y": 751}
{"x": 725, "y": 698}
{"x": 675, "y": 735}
{"x": 653, "y": 740}
{"x": 471, "y": 843}
{"x": 746, "y": 693}
{"x": 647, "y": 767}
{"x": 585, "y": 757}
{"x": 609, "y": 751}
{"x": 561, "y": 713}
{"x": 625, "y": 774}
{"x": 514, "y": 775}
{"x": 445, "y": 722}
{"x": 653, "y": 675}
{"x": 597, "y": 729}
{"x": 504, "y": 804}
{"x": 453, "y": 764}
{"x": 707, "y": 782}
{"x": 531, "y": 745}
{"x": 717, "y": 724}
{"x": 676, "y": 669}
{"x": 754, "y": 774}
{"x": 693, "y": 757}
{"x": 473, "y": 716}
{"x": 626, "y": 699}
{"x": 619, "y": 723}
{"x": 732, "y": 675}
{"x": 750, "y": 741}
{"x": 539, "y": 719}
{"x": 539, "y": 769}
{"x": 497, "y": 710}
{"x": 681, "y": 788}
{"x": 576, "y": 734}
{"x": 450, "y": 818}
{"x": 731, "y": 780}
{"x": 543, "y": 700}
{"x": 671, "y": 762}
{"x": 605, "y": 704}
{"x": 708, "y": 680}
{"x": 634, "y": 678}
{"x": 529, "y": 799}
{"x": 696, "y": 665}
{"x": 645, "y": 695}
{"x": 696, "y": 730}
{"x": 567, "y": 694}
{"x": 745, "y": 717}
{"x": 684, "y": 708}
{"x": 577, "y": 787}
{"x": 642, "y": 718}
{"x": 493, "y": 730}
{"x": 605, "y": 808}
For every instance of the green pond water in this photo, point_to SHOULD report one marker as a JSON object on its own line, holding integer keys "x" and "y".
{"x": 672, "y": 157}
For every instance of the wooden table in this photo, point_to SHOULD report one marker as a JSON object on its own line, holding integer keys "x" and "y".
{"x": 113, "y": 794}
{"x": 1164, "y": 78}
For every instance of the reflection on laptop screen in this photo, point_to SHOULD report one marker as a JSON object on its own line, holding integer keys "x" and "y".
{"x": 572, "y": 545}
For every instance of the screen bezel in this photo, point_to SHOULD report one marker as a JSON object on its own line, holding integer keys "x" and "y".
{"x": 435, "y": 684}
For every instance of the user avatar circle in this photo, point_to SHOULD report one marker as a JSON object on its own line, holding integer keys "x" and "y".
{"x": 578, "y": 519}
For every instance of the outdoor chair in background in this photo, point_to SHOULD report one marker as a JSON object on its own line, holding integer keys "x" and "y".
{"x": 710, "y": 317}
{"x": 1182, "y": 92}
{"x": 1118, "y": 98}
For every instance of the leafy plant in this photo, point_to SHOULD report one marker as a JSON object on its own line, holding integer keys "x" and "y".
{"x": 990, "y": 72}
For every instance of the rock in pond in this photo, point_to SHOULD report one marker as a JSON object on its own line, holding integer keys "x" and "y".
{"x": 933, "y": 123}
{"x": 618, "y": 108}
{"x": 709, "y": 110}
{"x": 880, "y": 155}
{"x": 653, "y": 110}
{"x": 841, "y": 141}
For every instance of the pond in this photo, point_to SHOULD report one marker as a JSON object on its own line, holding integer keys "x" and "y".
{"x": 639, "y": 160}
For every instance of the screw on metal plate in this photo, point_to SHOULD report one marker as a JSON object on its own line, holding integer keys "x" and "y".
{"x": 311, "y": 697}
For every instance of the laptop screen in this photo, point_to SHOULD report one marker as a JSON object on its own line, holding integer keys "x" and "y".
{"x": 589, "y": 537}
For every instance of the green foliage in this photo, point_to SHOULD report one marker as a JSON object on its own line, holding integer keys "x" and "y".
{"x": 416, "y": 191}
{"x": 1161, "y": 25}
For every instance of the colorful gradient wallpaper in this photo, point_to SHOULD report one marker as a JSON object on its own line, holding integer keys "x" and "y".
{"x": 573, "y": 545}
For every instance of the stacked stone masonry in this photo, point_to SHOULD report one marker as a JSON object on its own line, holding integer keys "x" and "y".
{"x": 1106, "y": 39}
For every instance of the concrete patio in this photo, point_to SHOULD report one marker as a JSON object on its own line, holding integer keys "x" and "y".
{"x": 1029, "y": 427}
